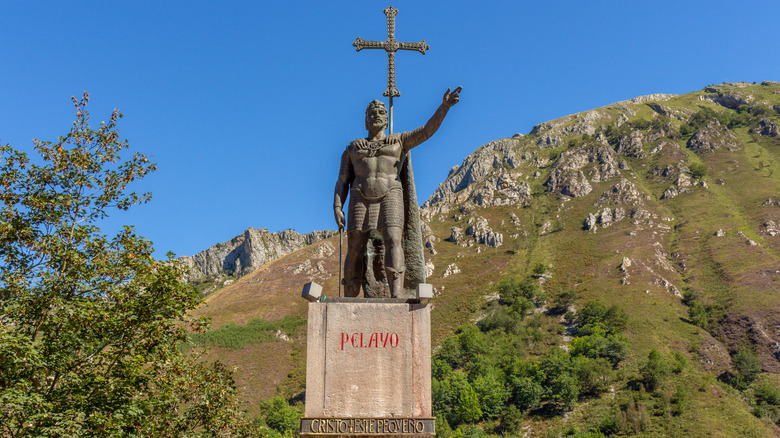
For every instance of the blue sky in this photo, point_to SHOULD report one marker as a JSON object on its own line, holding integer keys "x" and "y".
{"x": 246, "y": 106}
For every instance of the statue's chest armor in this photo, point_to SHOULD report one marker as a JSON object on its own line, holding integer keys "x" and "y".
{"x": 378, "y": 149}
{"x": 378, "y": 159}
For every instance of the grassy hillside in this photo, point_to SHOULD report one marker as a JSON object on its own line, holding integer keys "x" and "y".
{"x": 689, "y": 251}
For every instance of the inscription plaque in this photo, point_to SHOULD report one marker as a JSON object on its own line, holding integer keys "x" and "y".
{"x": 367, "y": 426}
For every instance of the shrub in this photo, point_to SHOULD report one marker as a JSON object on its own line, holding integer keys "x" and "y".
{"x": 277, "y": 414}
{"x": 746, "y": 366}
{"x": 539, "y": 269}
{"x": 698, "y": 170}
{"x": 517, "y": 294}
{"x": 766, "y": 393}
{"x": 595, "y": 313}
{"x": 593, "y": 375}
{"x": 680, "y": 362}
{"x": 511, "y": 421}
{"x": 654, "y": 371}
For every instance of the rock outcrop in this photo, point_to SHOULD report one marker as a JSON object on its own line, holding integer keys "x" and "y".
{"x": 461, "y": 183}
{"x": 631, "y": 145}
{"x": 568, "y": 173}
{"x": 766, "y": 128}
{"x": 712, "y": 137}
{"x": 248, "y": 251}
{"x": 728, "y": 98}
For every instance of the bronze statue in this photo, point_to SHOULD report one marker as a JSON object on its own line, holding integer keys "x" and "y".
{"x": 376, "y": 172}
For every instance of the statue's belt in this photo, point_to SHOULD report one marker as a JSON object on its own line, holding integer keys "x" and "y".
{"x": 374, "y": 198}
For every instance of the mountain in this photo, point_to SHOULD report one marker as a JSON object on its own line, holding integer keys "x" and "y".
{"x": 664, "y": 206}
{"x": 222, "y": 263}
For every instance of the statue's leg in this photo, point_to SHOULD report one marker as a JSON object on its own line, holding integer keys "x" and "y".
{"x": 353, "y": 262}
{"x": 394, "y": 260}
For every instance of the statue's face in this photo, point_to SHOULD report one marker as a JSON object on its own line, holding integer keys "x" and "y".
{"x": 376, "y": 118}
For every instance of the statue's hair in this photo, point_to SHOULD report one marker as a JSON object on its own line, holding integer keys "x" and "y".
{"x": 375, "y": 103}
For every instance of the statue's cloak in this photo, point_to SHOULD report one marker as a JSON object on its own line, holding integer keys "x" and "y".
{"x": 413, "y": 246}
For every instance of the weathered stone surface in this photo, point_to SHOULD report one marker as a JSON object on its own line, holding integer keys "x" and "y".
{"x": 474, "y": 169}
{"x": 551, "y": 134}
{"x": 483, "y": 234}
{"x": 456, "y": 235}
{"x": 675, "y": 113}
{"x": 604, "y": 217}
{"x": 771, "y": 228}
{"x": 631, "y": 145}
{"x": 728, "y": 98}
{"x": 670, "y": 193}
{"x": 711, "y": 137}
{"x": 451, "y": 269}
{"x": 766, "y": 128}
{"x": 568, "y": 177}
{"x": 246, "y": 252}
{"x": 368, "y": 360}
{"x": 622, "y": 193}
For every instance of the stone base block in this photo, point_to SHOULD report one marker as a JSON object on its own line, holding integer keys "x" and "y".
{"x": 368, "y": 361}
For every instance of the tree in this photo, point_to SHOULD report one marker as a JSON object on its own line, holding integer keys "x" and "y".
{"x": 91, "y": 327}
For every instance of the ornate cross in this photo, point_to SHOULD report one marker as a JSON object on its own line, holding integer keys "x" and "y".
{"x": 390, "y": 45}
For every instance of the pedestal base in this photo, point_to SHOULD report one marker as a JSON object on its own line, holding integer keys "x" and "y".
{"x": 368, "y": 370}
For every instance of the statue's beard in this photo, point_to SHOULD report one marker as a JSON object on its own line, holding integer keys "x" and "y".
{"x": 380, "y": 124}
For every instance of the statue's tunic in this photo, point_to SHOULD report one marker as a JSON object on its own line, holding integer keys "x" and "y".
{"x": 375, "y": 211}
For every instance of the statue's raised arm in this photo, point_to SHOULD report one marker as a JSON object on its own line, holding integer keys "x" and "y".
{"x": 412, "y": 139}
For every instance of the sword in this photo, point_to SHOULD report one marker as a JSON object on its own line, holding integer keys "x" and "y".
{"x": 341, "y": 238}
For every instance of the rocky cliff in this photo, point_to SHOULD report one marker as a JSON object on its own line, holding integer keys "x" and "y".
{"x": 246, "y": 252}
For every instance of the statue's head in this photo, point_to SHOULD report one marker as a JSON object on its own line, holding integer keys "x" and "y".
{"x": 376, "y": 115}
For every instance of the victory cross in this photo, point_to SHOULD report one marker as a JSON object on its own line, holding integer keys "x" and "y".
{"x": 376, "y": 172}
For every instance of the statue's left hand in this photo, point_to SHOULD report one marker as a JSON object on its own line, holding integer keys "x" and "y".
{"x": 451, "y": 98}
{"x": 360, "y": 143}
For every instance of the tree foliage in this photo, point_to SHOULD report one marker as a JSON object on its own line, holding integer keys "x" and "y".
{"x": 90, "y": 326}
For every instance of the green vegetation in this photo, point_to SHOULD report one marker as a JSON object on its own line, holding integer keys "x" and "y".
{"x": 507, "y": 366}
{"x": 236, "y": 336}
{"x": 90, "y": 325}
{"x": 279, "y": 417}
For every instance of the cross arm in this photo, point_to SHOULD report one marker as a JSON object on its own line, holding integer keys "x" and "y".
{"x": 361, "y": 44}
{"x": 419, "y": 47}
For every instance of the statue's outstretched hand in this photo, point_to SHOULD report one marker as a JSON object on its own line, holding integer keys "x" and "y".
{"x": 339, "y": 214}
{"x": 451, "y": 98}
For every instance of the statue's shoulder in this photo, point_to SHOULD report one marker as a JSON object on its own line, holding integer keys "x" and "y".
{"x": 356, "y": 144}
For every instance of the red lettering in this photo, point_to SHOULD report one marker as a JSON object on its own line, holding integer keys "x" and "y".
{"x": 374, "y": 340}
{"x": 383, "y": 339}
{"x": 344, "y": 337}
{"x": 361, "y": 340}
{"x": 354, "y": 338}
{"x": 392, "y": 337}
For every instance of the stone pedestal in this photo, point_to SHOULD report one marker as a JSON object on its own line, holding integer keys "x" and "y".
{"x": 368, "y": 369}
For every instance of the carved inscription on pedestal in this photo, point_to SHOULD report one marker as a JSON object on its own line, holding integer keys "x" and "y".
{"x": 367, "y": 426}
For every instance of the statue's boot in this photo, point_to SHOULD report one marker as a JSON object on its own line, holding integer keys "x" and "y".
{"x": 395, "y": 279}
{"x": 352, "y": 288}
